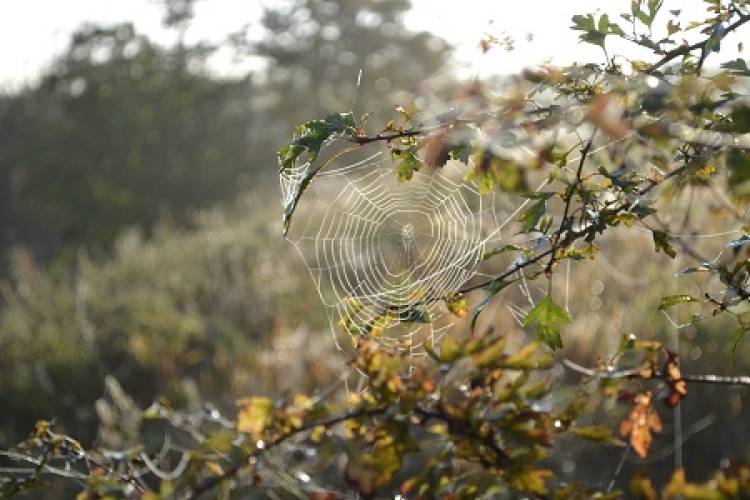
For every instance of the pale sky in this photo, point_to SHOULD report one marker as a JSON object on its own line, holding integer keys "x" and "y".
{"x": 33, "y": 31}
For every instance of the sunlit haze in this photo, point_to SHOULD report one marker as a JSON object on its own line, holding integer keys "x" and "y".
{"x": 30, "y": 40}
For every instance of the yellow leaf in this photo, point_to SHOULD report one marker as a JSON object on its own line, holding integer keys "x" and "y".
{"x": 449, "y": 349}
{"x": 456, "y": 304}
{"x": 707, "y": 170}
{"x": 254, "y": 414}
{"x": 302, "y": 401}
{"x": 641, "y": 487}
{"x": 317, "y": 433}
{"x": 214, "y": 467}
{"x": 531, "y": 480}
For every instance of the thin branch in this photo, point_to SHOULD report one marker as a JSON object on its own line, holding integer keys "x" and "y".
{"x": 362, "y": 140}
{"x": 686, "y": 49}
{"x": 503, "y": 460}
{"x": 41, "y": 466}
{"x": 565, "y": 223}
{"x": 663, "y": 453}
{"x": 636, "y": 373}
{"x": 618, "y": 469}
{"x": 214, "y": 481}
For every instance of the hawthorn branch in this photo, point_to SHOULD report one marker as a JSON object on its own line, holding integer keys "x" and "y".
{"x": 388, "y": 137}
{"x": 213, "y": 481}
{"x": 565, "y": 222}
{"x": 502, "y": 459}
{"x": 741, "y": 380}
{"x": 686, "y": 49}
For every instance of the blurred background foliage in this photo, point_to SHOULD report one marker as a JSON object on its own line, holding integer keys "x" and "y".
{"x": 140, "y": 229}
{"x": 140, "y": 232}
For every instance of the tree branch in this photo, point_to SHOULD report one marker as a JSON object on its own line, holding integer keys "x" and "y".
{"x": 502, "y": 460}
{"x": 636, "y": 373}
{"x": 686, "y": 49}
{"x": 213, "y": 481}
{"x": 565, "y": 223}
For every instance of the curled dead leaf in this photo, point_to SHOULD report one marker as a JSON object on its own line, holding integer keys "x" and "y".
{"x": 640, "y": 423}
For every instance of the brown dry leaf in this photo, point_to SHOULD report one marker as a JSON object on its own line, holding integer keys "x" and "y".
{"x": 676, "y": 385}
{"x": 437, "y": 149}
{"x": 639, "y": 424}
{"x": 324, "y": 495}
{"x": 605, "y": 113}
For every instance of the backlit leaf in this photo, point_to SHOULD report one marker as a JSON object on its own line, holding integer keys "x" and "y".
{"x": 673, "y": 300}
{"x": 254, "y": 415}
{"x": 547, "y": 317}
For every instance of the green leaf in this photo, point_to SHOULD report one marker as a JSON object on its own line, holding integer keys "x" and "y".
{"x": 505, "y": 248}
{"x": 653, "y": 9}
{"x": 599, "y": 433}
{"x": 456, "y": 304}
{"x": 583, "y": 23}
{"x": 661, "y": 243}
{"x": 737, "y": 337}
{"x": 449, "y": 349}
{"x": 603, "y": 25}
{"x": 547, "y": 317}
{"x": 673, "y": 300}
{"x": 495, "y": 172}
{"x": 491, "y": 354}
{"x": 409, "y": 164}
{"x": 530, "y": 480}
{"x": 643, "y": 17}
{"x": 532, "y": 215}
{"x": 739, "y": 173}
{"x": 591, "y": 33}
{"x": 310, "y": 137}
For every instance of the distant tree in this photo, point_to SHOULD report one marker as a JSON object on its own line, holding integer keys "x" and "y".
{"x": 122, "y": 132}
{"x": 119, "y": 132}
{"x": 313, "y": 51}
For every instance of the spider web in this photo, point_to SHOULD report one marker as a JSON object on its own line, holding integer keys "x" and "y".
{"x": 384, "y": 254}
